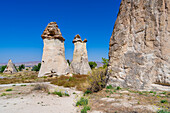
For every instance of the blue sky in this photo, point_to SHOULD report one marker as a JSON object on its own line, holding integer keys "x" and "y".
{"x": 23, "y": 21}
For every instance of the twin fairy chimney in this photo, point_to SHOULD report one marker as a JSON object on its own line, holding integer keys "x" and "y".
{"x": 53, "y": 59}
{"x": 80, "y": 64}
{"x": 10, "y": 68}
{"x": 139, "y": 52}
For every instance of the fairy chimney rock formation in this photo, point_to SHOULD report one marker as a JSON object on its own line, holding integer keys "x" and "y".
{"x": 139, "y": 52}
{"x": 80, "y": 64}
{"x": 10, "y": 67}
{"x": 53, "y": 59}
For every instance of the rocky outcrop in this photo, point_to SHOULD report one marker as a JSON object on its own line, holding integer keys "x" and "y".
{"x": 80, "y": 64}
{"x": 139, "y": 52}
{"x": 53, "y": 59}
{"x": 10, "y": 67}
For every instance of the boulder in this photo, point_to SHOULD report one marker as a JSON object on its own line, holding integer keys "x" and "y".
{"x": 80, "y": 64}
{"x": 10, "y": 67}
{"x": 53, "y": 59}
{"x": 139, "y": 49}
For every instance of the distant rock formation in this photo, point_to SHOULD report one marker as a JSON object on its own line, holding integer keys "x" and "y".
{"x": 139, "y": 52}
{"x": 10, "y": 67}
{"x": 53, "y": 59}
{"x": 80, "y": 64}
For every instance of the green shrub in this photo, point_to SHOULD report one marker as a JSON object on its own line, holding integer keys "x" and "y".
{"x": 68, "y": 61}
{"x": 88, "y": 92}
{"x": 163, "y": 93}
{"x": 66, "y": 94}
{"x": 82, "y": 102}
{"x": 97, "y": 79}
{"x": 118, "y": 88}
{"x": 21, "y": 67}
{"x": 92, "y": 65}
{"x": 109, "y": 87}
{"x": 8, "y": 90}
{"x": 3, "y": 94}
{"x": 105, "y": 62}
{"x": 24, "y": 85}
{"x": 163, "y": 111}
{"x": 3, "y": 68}
{"x": 85, "y": 109}
{"x": 58, "y": 93}
{"x": 164, "y": 101}
{"x": 150, "y": 91}
{"x": 36, "y": 67}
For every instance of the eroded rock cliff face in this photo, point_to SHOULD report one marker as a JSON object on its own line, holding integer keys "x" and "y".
{"x": 80, "y": 64}
{"x": 139, "y": 52}
{"x": 53, "y": 59}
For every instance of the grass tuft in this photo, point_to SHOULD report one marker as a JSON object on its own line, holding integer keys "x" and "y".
{"x": 8, "y": 90}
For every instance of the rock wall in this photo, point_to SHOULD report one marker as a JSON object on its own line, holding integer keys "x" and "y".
{"x": 139, "y": 52}
{"x": 10, "y": 68}
{"x": 80, "y": 64}
{"x": 53, "y": 59}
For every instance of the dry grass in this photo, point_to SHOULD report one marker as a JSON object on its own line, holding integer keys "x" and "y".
{"x": 78, "y": 81}
{"x": 24, "y": 77}
{"x": 41, "y": 87}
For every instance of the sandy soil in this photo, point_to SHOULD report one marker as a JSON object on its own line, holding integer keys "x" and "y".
{"x": 23, "y": 99}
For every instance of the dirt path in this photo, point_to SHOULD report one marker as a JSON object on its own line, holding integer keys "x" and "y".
{"x": 22, "y": 99}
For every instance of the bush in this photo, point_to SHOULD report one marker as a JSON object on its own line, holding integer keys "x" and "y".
{"x": 97, "y": 79}
{"x": 21, "y": 67}
{"x": 164, "y": 101}
{"x": 118, "y": 88}
{"x": 82, "y": 102}
{"x": 68, "y": 61}
{"x": 41, "y": 87}
{"x": 105, "y": 62}
{"x": 3, "y": 68}
{"x": 85, "y": 109}
{"x": 3, "y": 94}
{"x": 8, "y": 90}
{"x": 36, "y": 67}
{"x": 109, "y": 87}
{"x": 92, "y": 65}
{"x": 163, "y": 111}
{"x": 88, "y": 92}
{"x": 58, "y": 93}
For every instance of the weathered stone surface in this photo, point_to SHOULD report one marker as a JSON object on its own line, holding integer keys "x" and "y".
{"x": 80, "y": 64}
{"x": 139, "y": 52}
{"x": 10, "y": 67}
{"x": 53, "y": 59}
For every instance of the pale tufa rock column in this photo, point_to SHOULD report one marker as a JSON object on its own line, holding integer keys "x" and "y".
{"x": 10, "y": 67}
{"x": 80, "y": 64}
{"x": 53, "y": 59}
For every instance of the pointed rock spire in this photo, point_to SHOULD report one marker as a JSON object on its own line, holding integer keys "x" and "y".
{"x": 10, "y": 67}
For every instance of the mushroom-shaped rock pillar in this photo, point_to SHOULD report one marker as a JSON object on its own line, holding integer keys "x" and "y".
{"x": 53, "y": 60}
{"x": 80, "y": 64}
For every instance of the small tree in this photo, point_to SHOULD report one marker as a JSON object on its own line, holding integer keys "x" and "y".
{"x": 36, "y": 67}
{"x": 92, "y": 65}
{"x": 3, "y": 68}
{"x": 21, "y": 67}
{"x": 105, "y": 62}
{"x": 39, "y": 66}
{"x": 68, "y": 61}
